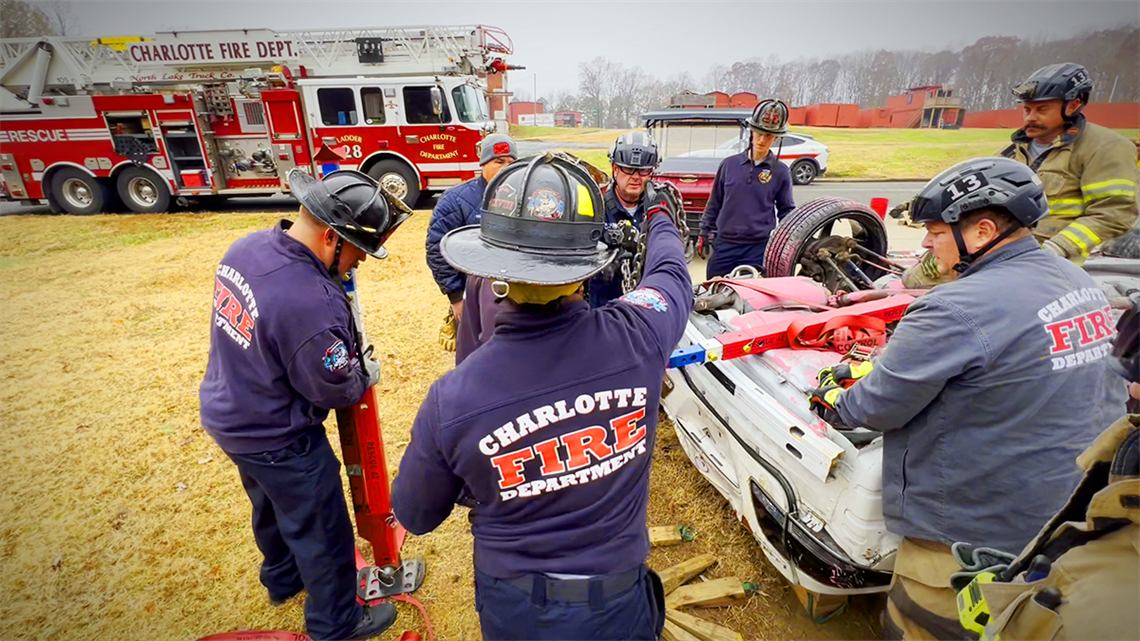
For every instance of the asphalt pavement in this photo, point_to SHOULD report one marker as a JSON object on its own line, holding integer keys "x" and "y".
{"x": 895, "y": 192}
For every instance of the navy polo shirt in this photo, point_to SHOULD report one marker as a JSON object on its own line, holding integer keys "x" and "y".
{"x": 747, "y": 199}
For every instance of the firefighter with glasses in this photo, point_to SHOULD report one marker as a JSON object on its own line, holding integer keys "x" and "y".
{"x": 751, "y": 193}
{"x": 633, "y": 158}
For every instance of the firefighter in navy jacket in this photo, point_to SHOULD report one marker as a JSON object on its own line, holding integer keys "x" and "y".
{"x": 751, "y": 193}
{"x": 283, "y": 352}
{"x": 459, "y": 207}
{"x": 549, "y": 428}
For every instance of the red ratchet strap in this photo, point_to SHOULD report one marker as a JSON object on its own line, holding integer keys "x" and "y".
{"x": 757, "y": 287}
{"x": 839, "y": 334}
{"x": 423, "y": 611}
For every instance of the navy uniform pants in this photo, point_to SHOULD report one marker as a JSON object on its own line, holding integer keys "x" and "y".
{"x": 726, "y": 256}
{"x": 301, "y": 525}
{"x": 542, "y": 608}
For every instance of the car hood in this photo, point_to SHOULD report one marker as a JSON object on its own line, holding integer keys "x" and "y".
{"x": 689, "y": 165}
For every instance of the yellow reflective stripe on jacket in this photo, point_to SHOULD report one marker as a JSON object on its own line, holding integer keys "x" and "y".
{"x": 1115, "y": 182}
{"x": 1127, "y": 193}
{"x": 1066, "y": 207}
{"x": 1108, "y": 189}
{"x": 1082, "y": 237}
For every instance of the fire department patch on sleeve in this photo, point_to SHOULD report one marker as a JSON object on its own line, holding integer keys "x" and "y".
{"x": 336, "y": 357}
{"x": 648, "y": 298}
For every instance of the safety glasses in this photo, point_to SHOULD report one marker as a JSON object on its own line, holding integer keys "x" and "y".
{"x": 633, "y": 171}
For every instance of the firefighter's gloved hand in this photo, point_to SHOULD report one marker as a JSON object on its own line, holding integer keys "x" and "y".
{"x": 824, "y": 400}
{"x": 975, "y": 560}
{"x": 702, "y": 240}
{"x": 447, "y": 331}
{"x": 372, "y": 368}
{"x": 928, "y": 265}
{"x": 899, "y": 210}
{"x": 845, "y": 374}
{"x": 1053, "y": 248}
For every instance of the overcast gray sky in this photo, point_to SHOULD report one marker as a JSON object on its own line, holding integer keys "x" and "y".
{"x": 664, "y": 38}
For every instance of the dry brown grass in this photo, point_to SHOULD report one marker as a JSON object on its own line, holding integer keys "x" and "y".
{"x": 121, "y": 519}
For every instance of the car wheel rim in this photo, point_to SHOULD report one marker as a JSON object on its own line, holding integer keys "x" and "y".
{"x": 394, "y": 184}
{"x": 143, "y": 191}
{"x": 803, "y": 173}
{"x": 78, "y": 193}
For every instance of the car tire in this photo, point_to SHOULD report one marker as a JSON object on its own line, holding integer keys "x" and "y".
{"x": 78, "y": 193}
{"x": 399, "y": 179}
{"x": 787, "y": 243}
{"x": 803, "y": 172}
{"x": 143, "y": 191}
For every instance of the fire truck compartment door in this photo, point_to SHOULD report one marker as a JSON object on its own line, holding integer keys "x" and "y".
{"x": 286, "y": 131}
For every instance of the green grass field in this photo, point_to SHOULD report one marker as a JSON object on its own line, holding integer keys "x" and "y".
{"x": 853, "y": 153}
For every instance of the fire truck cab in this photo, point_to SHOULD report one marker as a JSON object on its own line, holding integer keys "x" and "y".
{"x": 146, "y": 122}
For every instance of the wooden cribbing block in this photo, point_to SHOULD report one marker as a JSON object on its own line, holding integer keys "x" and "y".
{"x": 674, "y": 632}
{"x": 710, "y": 594}
{"x": 819, "y": 605}
{"x": 665, "y": 535}
{"x": 675, "y": 576}
{"x": 703, "y": 630}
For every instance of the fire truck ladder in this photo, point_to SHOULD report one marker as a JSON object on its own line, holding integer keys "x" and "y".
{"x": 70, "y": 64}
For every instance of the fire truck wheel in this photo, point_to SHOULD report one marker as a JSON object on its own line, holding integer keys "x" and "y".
{"x": 143, "y": 191}
{"x": 78, "y": 193}
{"x": 398, "y": 179}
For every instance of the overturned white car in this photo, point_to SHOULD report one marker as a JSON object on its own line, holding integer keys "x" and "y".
{"x": 810, "y": 492}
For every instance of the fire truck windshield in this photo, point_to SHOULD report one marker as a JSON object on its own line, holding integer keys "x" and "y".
{"x": 470, "y": 104}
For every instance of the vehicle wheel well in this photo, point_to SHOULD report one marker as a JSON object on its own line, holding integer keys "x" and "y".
{"x": 114, "y": 177}
{"x": 375, "y": 159}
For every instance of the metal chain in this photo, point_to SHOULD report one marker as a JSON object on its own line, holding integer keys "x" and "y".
{"x": 633, "y": 266}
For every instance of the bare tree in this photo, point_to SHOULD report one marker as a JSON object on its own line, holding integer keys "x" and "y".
{"x": 22, "y": 20}
{"x": 982, "y": 73}
{"x": 594, "y": 89}
{"x": 61, "y": 15}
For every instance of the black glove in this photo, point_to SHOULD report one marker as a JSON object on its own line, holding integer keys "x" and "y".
{"x": 824, "y": 400}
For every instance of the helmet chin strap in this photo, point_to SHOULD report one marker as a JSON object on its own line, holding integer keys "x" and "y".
{"x": 965, "y": 258}
{"x": 334, "y": 272}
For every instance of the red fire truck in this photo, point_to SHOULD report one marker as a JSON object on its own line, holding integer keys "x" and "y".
{"x": 154, "y": 120}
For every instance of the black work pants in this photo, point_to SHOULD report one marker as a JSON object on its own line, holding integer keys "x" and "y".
{"x": 509, "y": 611}
{"x": 301, "y": 525}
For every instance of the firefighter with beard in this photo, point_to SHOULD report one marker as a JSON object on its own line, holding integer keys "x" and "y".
{"x": 284, "y": 350}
